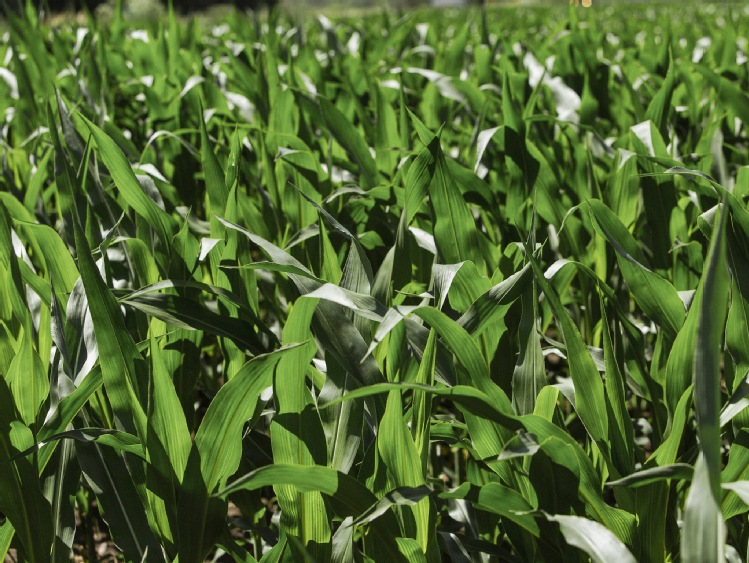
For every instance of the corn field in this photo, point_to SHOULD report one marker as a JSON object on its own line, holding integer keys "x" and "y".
{"x": 430, "y": 286}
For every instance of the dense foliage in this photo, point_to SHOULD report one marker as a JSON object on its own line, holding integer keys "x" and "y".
{"x": 470, "y": 286}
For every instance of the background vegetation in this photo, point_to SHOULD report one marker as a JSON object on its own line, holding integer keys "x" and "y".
{"x": 136, "y": 6}
{"x": 464, "y": 286}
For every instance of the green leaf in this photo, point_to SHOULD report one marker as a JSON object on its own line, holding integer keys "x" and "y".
{"x": 62, "y": 482}
{"x": 125, "y": 180}
{"x": 728, "y": 92}
{"x": 218, "y": 193}
{"x": 741, "y": 488}
{"x": 679, "y": 471}
{"x": 297, "y": 437}
{"x": 185, "y": 313}
{"x": 401, "y": 496}
{"x": 362, "y": 304}
{"x": 703, "y": 535}
{"x": 529, "y": 376}
{"x": 349, "y": 138}
{"x": 657, "y": 297}
{"x": 58, "y": 261}
{"x": 401, "y": 459}
{"x": 658, "y": 110}
{"x": 28, "y": 381}
{"x": 594, "y": 539}
{"x": 166, "y": 416}
{"x": 115, "y": 439}
{"x": 21, "y": 498}
{"x": 589, "y": 394}
{"x": 417, "y": 181}
{"x": 343, "y": 542}
{"x": 106, "y": 472}
{"x": 498, "y": 499}
{"x": 422, "y": 403}
{"x": 122, "y": 366}
{"x": 454, "y": 228}
{"x": 492, "y": 305}
{"x": 69, "y": 406}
